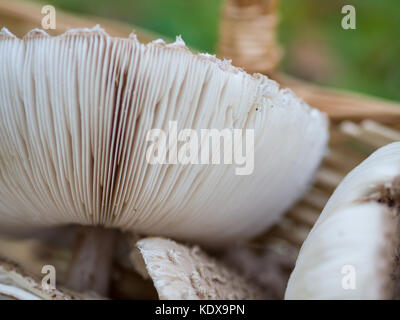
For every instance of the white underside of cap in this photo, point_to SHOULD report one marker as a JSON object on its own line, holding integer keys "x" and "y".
{"x": 74, "y": 114}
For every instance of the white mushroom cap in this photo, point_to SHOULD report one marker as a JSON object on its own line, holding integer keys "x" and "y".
{"x": 74, "y": 113}
{"x": 352, "y": 250}
{"x": 182, "y": 273}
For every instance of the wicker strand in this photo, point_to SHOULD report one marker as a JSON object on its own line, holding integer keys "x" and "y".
{"x": 248, "y": 35}
{"x": 357, "y": 141}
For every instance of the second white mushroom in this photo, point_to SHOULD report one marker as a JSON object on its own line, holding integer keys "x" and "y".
{"x": 352, "y": 252}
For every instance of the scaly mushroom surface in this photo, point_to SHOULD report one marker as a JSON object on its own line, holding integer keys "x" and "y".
{"x": 16, "y": 284}
{"x": 180, "y": 272}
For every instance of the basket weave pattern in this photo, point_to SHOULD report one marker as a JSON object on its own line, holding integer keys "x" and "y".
{"x": 359, "y": 124}
{"x": 248, "y": 35}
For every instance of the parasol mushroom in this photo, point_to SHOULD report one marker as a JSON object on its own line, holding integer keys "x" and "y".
{"x": 181, "y": 273}
{"x": 75, "y": 110}
{"x": 352, "y": 252}
{"x": 16, "y": 284}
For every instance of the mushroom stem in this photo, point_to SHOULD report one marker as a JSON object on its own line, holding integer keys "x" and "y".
{"x": 91, "y": 264}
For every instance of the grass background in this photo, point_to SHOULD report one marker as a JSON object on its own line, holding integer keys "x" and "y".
{"x": 316, "y": 47}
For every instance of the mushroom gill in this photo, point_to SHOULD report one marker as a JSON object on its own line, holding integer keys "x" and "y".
{"x": 75, "y": 114}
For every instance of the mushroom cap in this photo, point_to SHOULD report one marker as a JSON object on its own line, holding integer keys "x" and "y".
{"x": 16, "y": 284}
{"x": 184, "y": 273}
{"x": 355, "y": 236}
{"x": 75, "y": 110}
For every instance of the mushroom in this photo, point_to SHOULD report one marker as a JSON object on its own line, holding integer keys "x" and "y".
{"x": 352, "y": 252}
{"x": 75, "y": 112}
{"x": 16, "y": 284}
{"x": 181, "y": 273}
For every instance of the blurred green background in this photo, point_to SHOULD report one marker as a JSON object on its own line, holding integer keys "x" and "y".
{"x": 316, "y": 47}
